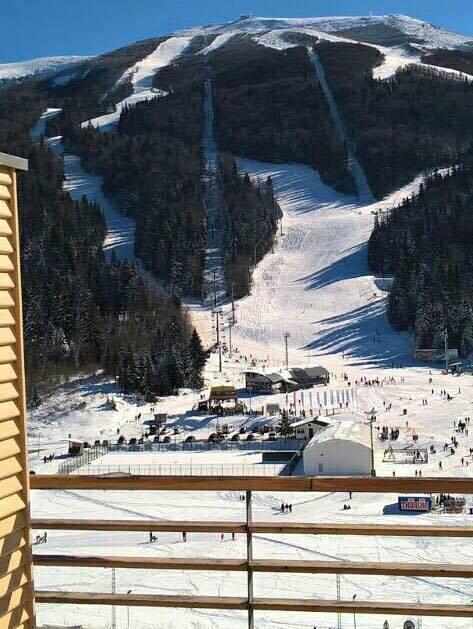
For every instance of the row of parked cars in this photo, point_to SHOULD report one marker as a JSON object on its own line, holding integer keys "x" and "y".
{"x": 244, "y": 434}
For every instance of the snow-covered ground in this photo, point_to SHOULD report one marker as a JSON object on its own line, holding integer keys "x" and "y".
{"x": 394, "y": 57}
{"x": 141, "y": 76}
{"x": 42, "y": 66}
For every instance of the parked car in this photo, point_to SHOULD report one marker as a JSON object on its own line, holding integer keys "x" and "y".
{"x": 250, "y": 437}
{"x": 255, "y": 428}
{"x": 272, "y": 436}
{"x": 86, "y": 444}
{"x": 242, "y": 430}
{"x": 132, "y": 441}
{"x": 178, "y": 430}
{"x": 215, "y": 436}
{"x": 190, "y": 439}
{"x": 152, "y": 430}
{"x": 105, "y": 442}
{"x": 236, "y": 437}
{"x": 266, "y": 429}
{"x": 121, "y": 439}
{"x": 167, "y": 439}
{"x": 156, "y": 439}
{"x": 97, "y": 442}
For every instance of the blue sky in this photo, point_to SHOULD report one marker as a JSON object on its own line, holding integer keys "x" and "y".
{"x": 36, "y": 28}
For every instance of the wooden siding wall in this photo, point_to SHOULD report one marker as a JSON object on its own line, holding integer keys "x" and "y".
{"x": 16, "y": 584}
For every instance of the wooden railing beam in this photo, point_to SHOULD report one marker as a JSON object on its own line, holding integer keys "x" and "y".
{"x": 289, "y": 528}
{"x": 261, "y": 604}
{"x": 456, "y": 571}
{"x": 255, "y": 483}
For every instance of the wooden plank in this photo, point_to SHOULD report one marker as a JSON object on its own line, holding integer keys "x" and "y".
{"x": 7, "y": 337}
{"x": 8, "y": 392}
{"x": 361, "y": 607}
{"x": 365, "y": 568}
{"x": 264, "y": 604}
{"x": 11, "y": 581}
{"x": 6, "y": 300}
{"x": 151, "y": 563}
{"x": 456, "y": 571}
{"x": 13, "y": 599}
{"x": 5, "y": 229}
{"x": 11, "y": 524}
{"x": 7, "y": 354}
{"x": 8, "y": 410}
{"x": 11, "y": 562}
{"x": 9, "y": 448}
{"x": 6, "y": 282}
{"x": 5, "y": 192}
{"x": 5, "y": 245}
{"x": 16, "y": 619}
{"x": 9, "y": 486}
{"x": 138, "y": 525}
{"x": 6, "y": 316}
{"x": 7, "y": 373}
{"x": 5, "y": 178}
{"x": 385, "y": 530}
{"x": 291, "y": 528}
{"x": 5, "y": 263}
{"x": 5, "y": 211}
{"x": 140, "y": 600}
{"x": 256, "y": 483}
{"x": 11, "y": 505}
{"x": 8, "y": 429}
{"x": 13, "y": 542}
{"x": 10, "y": 466}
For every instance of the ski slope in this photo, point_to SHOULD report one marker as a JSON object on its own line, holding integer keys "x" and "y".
{"x": 141, "y": 76}
{"x": 316, "y": 284}
{"x": 394, "y": 57}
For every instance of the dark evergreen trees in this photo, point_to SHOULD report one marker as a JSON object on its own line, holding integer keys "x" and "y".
{"x": 270, "y": 106}
{"x": 399, "y": 127}
{"x": 250, "y": 215}
{"x": 426, "y": 244}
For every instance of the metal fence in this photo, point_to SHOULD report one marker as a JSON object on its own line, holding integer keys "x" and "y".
{"x": 74, "y": 463}
{"x": 205, "y": 446}
{"x": 186, "y": 469}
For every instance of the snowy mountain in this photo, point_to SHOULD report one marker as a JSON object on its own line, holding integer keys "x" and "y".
{"x": 378, "y": 29}
{"x": 40, "y": 67}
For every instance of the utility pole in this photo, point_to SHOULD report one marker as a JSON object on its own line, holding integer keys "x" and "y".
{"x": 233, "y": 303}
{"x": 114, "y": 609}
{"x": 217, "y": 313}
{"x": 230, "y": 325}
{"x": 286, "y": 336}
{"x": 372, "y": 420}
{"x": 215, "y": 289}
{"x": 445, "y": 335}
{"x": 339, "y": 615}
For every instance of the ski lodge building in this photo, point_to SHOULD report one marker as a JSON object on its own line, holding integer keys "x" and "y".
{"x": 342, "y": 449}
{"x": 289, "y": 380}
{"x": 307, "y": 428}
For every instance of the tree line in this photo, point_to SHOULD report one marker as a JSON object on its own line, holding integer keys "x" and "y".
{"x": 270, "y": 106}
{"x": 251, "y": 215}
{"x": 417, "y": 120}
{"x": 426, "y": 244}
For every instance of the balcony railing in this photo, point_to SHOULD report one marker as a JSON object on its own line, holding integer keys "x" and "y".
{"x": 248, "y": 564}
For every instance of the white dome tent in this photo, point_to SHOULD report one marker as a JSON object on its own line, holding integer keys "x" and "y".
{"x": 342, "y": 449}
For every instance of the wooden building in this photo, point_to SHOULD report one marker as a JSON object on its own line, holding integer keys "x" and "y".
{"x": 16, "y": 581}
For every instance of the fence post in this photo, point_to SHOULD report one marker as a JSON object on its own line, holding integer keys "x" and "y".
{"x": 249, "y": 558}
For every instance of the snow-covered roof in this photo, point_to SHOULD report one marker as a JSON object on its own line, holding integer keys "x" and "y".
{"x": 355, "y": 430}
{"x": 319, "y": 421}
